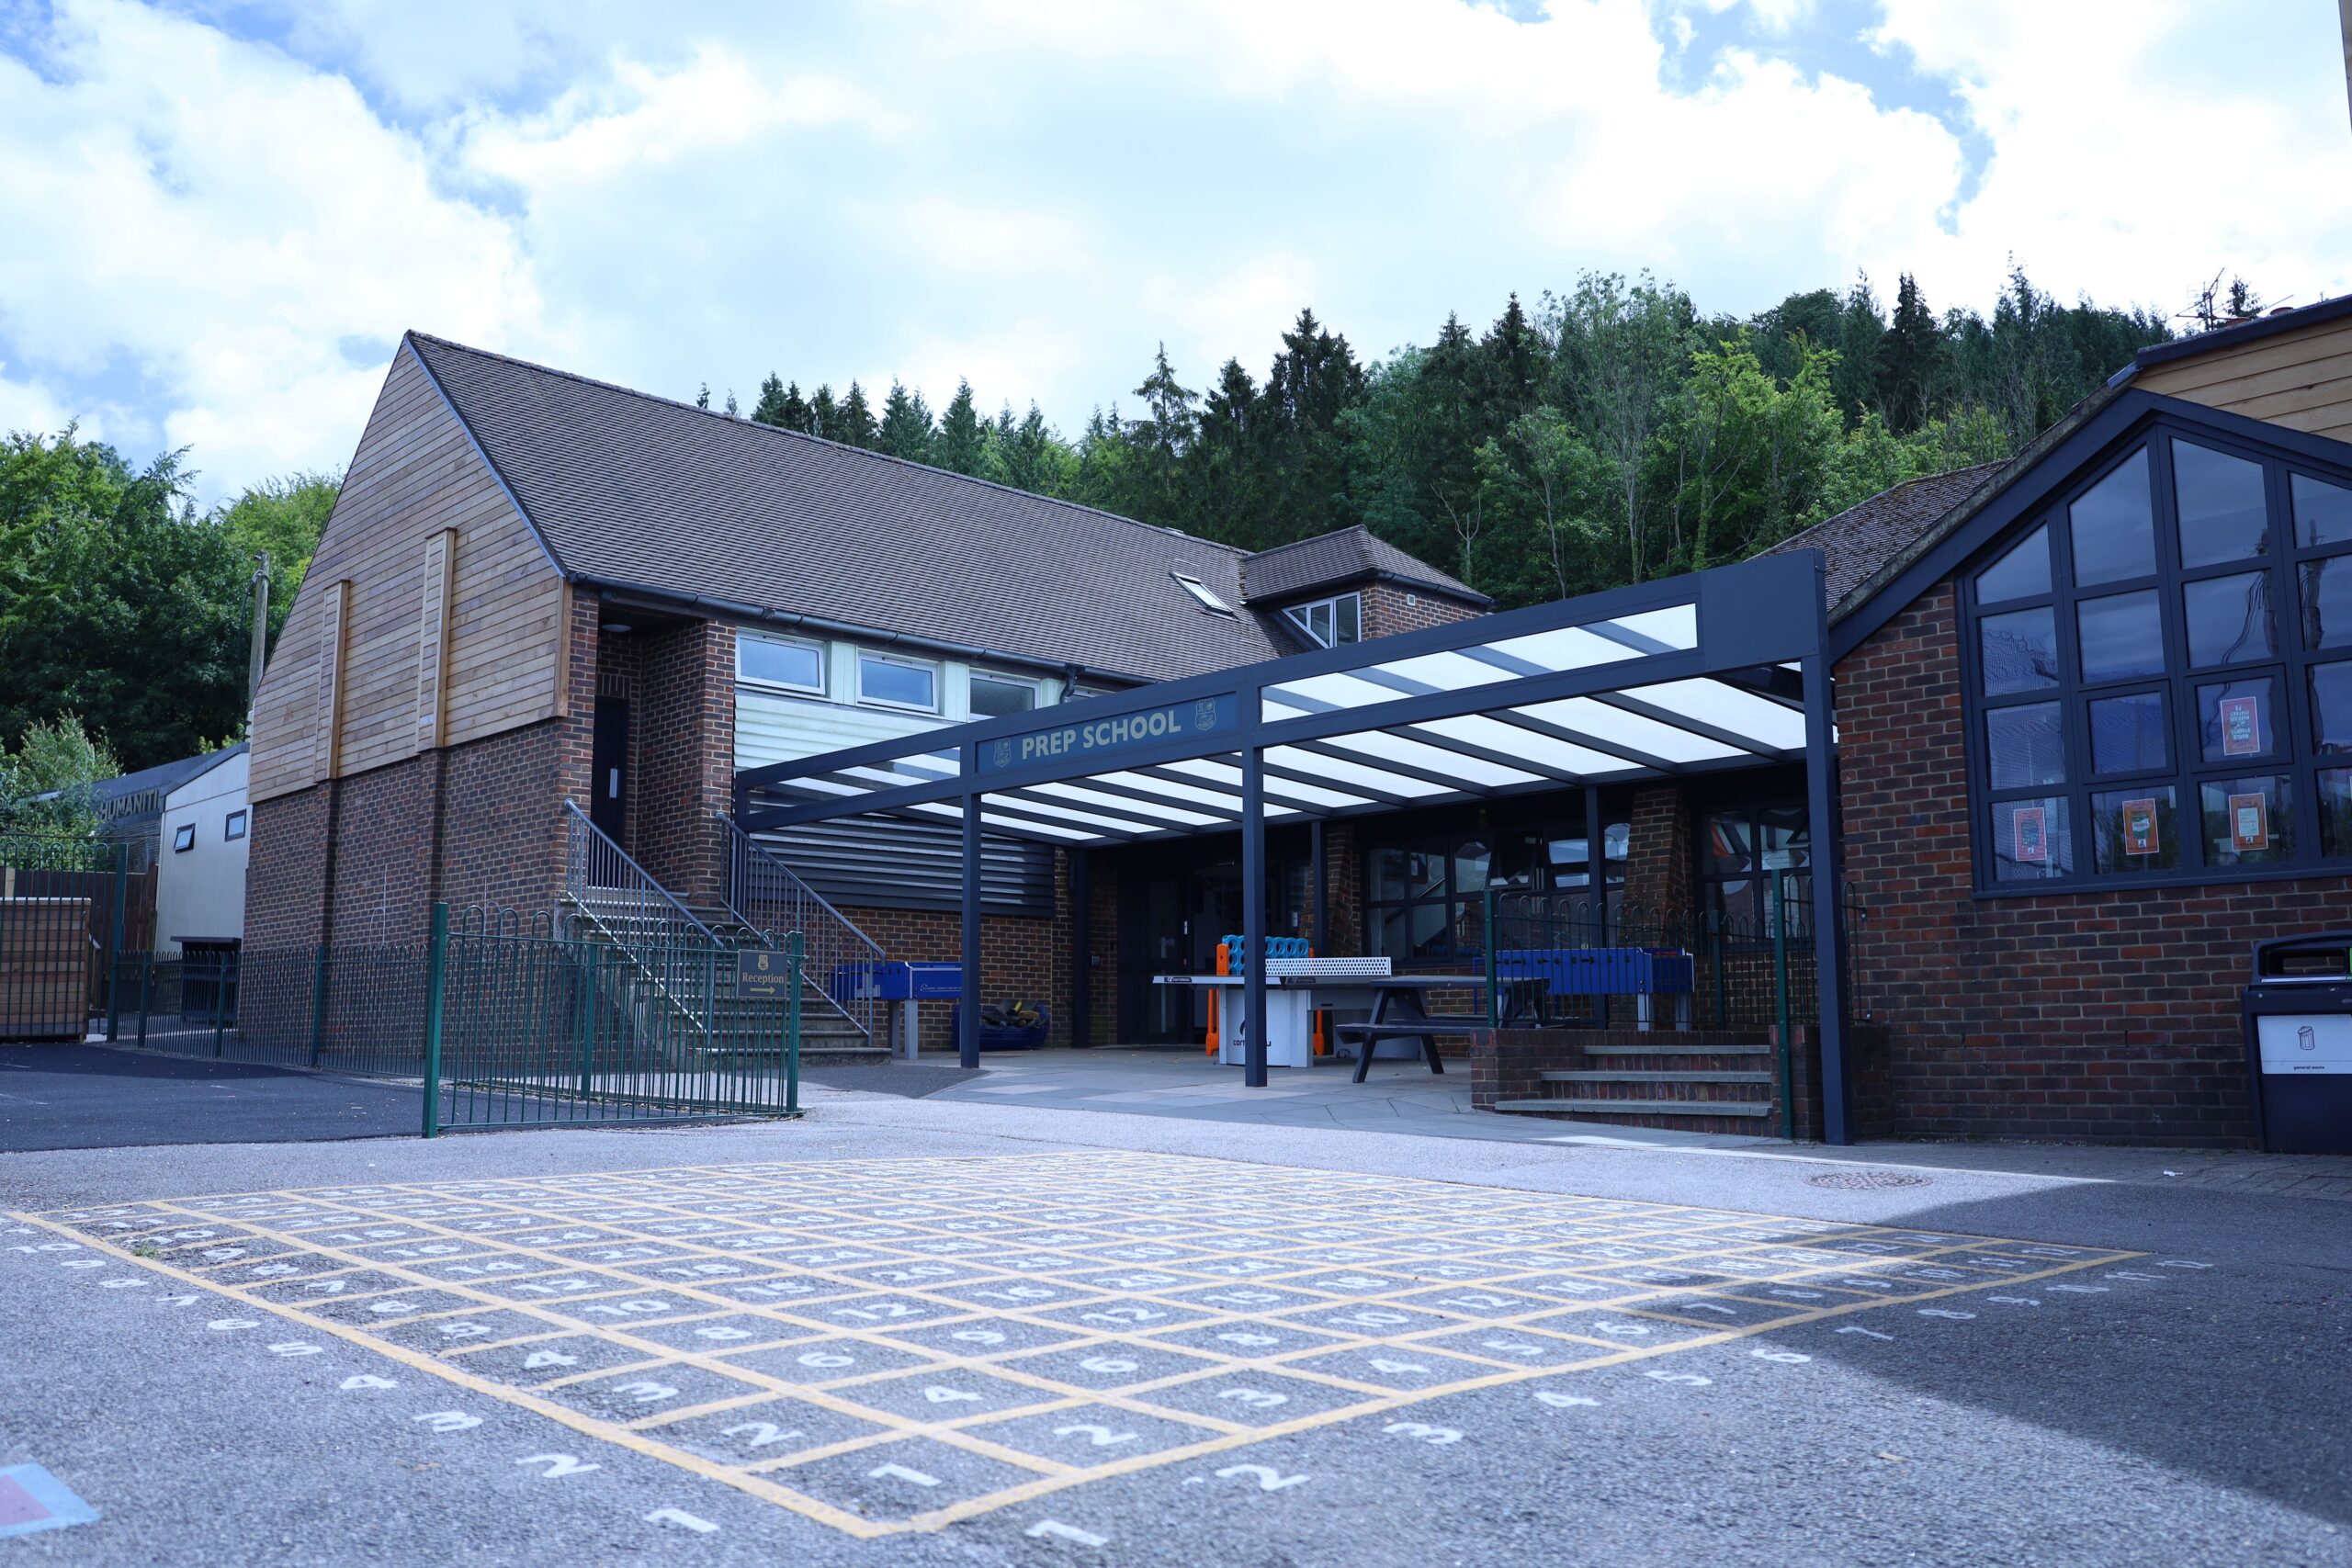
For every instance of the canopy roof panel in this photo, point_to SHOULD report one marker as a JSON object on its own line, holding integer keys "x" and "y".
{"x": 1689, "y": 674}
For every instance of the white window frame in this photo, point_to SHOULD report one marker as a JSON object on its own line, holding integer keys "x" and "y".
{"x": 1301, "y": 617}
{"x": 183, "y": 838}
{"x": 1036, "y": 688}
{"x": 235, "y": 826}
{"x": 764, "y": 682}
{"x": 865, "y": 655}
{"x": 1202, "y": 592}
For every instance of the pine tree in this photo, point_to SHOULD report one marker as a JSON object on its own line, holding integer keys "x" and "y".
{"x": 769, "y": 410}
{"x": 1514, "y": 365}
{"x": 962, "y": 445}
{"x": 856, "y": 419}
{"x": 1910, "y": 360}
{"x": 824, "y": 415}
{"x": 732, "y": 411}
{"x": 1853, "y": 381}
{"x": 906, "y": 431}
{"x": 702, "y": 398}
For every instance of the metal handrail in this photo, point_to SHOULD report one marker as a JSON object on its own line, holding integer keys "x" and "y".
{"x": 670, "y": 952}
{"x": 598, "y": 864}
{"x": 771, "y": 899}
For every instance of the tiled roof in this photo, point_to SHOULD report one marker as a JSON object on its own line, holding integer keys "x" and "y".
{"x": 637, "y": 491}
{"x": 1863, "y": 540}
{"x": 1344, "y": 555}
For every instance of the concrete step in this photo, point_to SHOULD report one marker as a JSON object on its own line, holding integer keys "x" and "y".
{"x": 1637, "y": 1106}
{"x": 1725, "y": 1077}
{"x": 1678, "y": 1050}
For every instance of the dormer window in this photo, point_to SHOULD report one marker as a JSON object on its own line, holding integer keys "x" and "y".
{"x": 1202, "y": 592}
{"x": 1327, "y": 623}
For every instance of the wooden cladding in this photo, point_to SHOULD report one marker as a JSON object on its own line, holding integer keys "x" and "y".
{"x": 431, "y": 614}
{"x": 2300, "y": 380}
{"x": 334, "y": 613}
{"x": 433, "y": 637}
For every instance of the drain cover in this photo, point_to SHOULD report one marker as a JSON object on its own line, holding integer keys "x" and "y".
{"x": 1866, "y": 1180}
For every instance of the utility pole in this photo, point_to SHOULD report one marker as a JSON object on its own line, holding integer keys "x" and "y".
{"x": 261, "y": 632}
{"x": 2344, "y": 10}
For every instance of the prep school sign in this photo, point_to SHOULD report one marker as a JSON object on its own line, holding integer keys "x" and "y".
{"x": 1107, "y": 738}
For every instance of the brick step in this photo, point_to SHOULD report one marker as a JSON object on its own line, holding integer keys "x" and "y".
{"x": 1658, "y": 1077}
{"x": 1693, "y": 1108}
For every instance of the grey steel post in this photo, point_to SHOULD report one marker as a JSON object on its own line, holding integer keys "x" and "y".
{"x": 1320, "y": 854}
{"x": 1595, "y": 888}
{"x": 1827, "y": 866}
{"x": 1253, "y": 901}
{"x": 259, "y": 652}
{"x": 967, "y": 1013}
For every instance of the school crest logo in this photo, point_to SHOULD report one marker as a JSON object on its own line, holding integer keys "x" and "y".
{"x": 1001, "y": 754}
{"x": 1204, "y": 714}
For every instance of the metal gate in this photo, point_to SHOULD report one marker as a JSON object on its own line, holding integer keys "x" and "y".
{"x": 68, "y": 908}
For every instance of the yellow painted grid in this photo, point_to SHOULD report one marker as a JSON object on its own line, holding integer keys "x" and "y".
{"x": 929, "y": 1318}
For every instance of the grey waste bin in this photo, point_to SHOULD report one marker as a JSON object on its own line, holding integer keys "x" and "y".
{"x": 2297, "y": 1011}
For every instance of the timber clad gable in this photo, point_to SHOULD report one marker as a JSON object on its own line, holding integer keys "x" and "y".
{"x": 430, "y": 614}
{"x": 2299, "y": 379}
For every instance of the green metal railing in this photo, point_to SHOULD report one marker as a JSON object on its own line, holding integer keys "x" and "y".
{"x": 502, "y": 1021}
{"x": 533, "y": 1030}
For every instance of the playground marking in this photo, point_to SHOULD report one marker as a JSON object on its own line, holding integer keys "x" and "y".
{"x": 885, "y": 1346}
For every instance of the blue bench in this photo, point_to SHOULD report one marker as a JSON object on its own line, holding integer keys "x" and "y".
{"x": 1638, "y": 971}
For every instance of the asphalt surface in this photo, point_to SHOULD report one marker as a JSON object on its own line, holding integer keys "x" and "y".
{"x": 2186, "y": 1408}
{"x": 91, "y": 1096}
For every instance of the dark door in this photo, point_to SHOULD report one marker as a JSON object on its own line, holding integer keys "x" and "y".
{"x": 608, "y": 790}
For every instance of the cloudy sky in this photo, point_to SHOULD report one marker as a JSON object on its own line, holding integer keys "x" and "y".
{"x": 217, "y": 215}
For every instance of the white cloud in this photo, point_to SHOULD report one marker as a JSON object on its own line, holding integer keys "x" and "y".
{"x": 216, "y": 240}
{"x": 215, "y": 221}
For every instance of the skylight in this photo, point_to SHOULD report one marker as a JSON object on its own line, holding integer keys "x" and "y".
{"x": 1203, "y": 592}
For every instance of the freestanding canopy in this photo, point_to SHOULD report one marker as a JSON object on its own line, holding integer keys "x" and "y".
{"x": 1718, "y": 670}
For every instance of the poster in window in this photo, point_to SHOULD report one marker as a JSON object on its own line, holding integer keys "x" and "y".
{"x": 2140, "y": 826}
{"x": 2240, "y": 726}
{"x": 2029, "y": 828}
{"x": 2249, "y": 822}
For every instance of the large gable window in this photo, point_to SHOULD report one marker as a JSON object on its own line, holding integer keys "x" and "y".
{"x": 2160, "y": 673}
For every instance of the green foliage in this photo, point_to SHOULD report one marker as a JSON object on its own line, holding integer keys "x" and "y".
{"x": 962, "y": 445}
{"x": 133, "y": 609}
{"x": 59, "y": 761}
{"x": 285, "y": 517}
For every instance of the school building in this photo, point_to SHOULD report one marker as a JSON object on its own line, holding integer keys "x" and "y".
{"x": 1971, "y": 801}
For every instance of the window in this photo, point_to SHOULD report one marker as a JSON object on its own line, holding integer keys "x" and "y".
{"x": 1328, "y": 623}
{"x": 993, "y": 697}
{"x": 2153, "y": 663}
{"x": 775, "y": 662}
{"x": 184, "y": 837}
{"x": 897, "y": 682}
{"x": 1202, "y": 592}
{"x": 1741, "y": 851}
{"x": 1425, "y": 899}
{"x": 234, "y": 828}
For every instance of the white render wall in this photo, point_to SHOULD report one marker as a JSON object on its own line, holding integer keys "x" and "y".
{"x": 776, "y": 726}
{"x": 200, "y": 891}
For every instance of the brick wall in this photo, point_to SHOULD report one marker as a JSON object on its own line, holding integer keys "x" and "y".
{"x": 285, "y": 881}
{"x": 1657, "y": 852}
{"x": 2107, "y": 1016}
{"x": 683, "y": 744}
{"x": 1389, "y": 609}
{"x": 1016, "y": 956}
